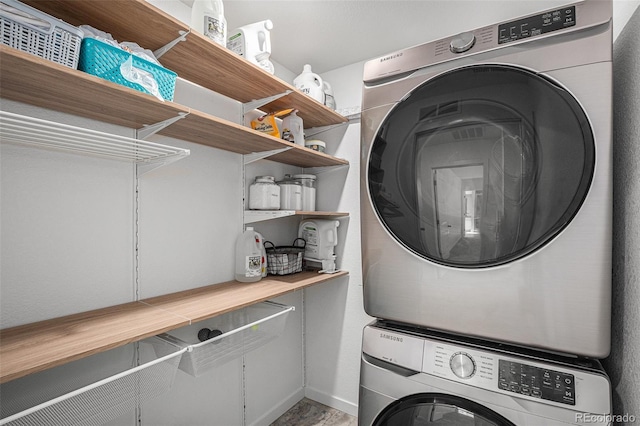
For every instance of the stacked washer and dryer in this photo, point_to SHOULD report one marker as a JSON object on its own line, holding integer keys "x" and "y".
{"x": 486, "y": 221}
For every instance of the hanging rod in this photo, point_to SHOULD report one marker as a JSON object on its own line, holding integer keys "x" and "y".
{"x": 48, "y": 134}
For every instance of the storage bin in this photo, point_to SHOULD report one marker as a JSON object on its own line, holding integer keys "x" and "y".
{"x": 242, "y": 331}
{"x": 93, "y": 390}
{"x": 29, "y": 30}
{"x": 285, "y": 260}
{"x": 103, "y": 60}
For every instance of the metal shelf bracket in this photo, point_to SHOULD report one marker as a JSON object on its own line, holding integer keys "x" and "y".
{"x": 164, "y": 49}
{"x": 257, "y": 103}
{"x": 325, "y": 169}
{"x": 145, "y": 167}
{"x": 152, "y": 129}
{"x": 255, "y": 156}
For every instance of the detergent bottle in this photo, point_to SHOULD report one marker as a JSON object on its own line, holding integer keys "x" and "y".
{"x": 253, "y": 42}
{"x": 293, "y": 128}
{"x": 249, "y": 256}
{"x": 207, "y": 17}
{"x": 310, "y": 84}
{"x": 329, "y": 100}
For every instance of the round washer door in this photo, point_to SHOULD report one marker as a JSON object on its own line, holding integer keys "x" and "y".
{"x": 438, "y": 409}
{"x": 481, "y": 166}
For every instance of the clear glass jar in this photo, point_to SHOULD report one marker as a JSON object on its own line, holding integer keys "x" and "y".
{"x": 308, "y": 191}
{"x": 290, "y": 194}
{"x": 264, "y": 194}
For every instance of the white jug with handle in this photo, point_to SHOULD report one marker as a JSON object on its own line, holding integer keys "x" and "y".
{"x": 310, "y": 84}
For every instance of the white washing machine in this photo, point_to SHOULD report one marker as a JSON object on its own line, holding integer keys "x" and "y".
{"x": 412, "y": 378}
{"x": 486, "y": 182}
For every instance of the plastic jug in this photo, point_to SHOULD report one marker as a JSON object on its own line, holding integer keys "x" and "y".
{"x": 329, "y": 100}
{"x": 263, "y": 252}
{"x": 293, "y": 128}
{"x": 310, "y": 84}
{"x": 249, "y": 248}
{"x": 253, "y": 42}
{"x": 321, "y": 237}
{"x": 207, "y": 17}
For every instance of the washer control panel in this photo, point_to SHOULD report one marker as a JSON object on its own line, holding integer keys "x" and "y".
{"x": 537, "y": 24}
{"x": 538, "y": 382}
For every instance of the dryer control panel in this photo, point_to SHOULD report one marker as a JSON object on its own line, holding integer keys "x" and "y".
{"x": 537, "y": 24}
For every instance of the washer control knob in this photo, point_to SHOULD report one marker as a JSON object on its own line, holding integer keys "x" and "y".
{"x": 462, "y": 365}
{"x": 462, "y": 42}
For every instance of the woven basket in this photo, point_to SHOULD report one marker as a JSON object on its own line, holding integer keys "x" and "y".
{"x": 285, "y": 260}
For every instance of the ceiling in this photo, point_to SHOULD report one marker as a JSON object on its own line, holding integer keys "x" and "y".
{"x": 330, "y": 34}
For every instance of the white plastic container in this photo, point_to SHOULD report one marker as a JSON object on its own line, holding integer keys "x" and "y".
{"x": 253, "y": 42}
{"x": 290, "y": 195}
{"x": 263, "y": 253}
{"x": 308, "y": 191}
{"x": 329, "y": 100}
{"x": 316, "y": 145}
{"x": 310, "y": 84}
{"x": 293, "y": 129}
{"x": 264, "y": 194}
{"x": 249, "y": 256}
{"x": 321, "y": 237}
{"x": 207, "y": 17}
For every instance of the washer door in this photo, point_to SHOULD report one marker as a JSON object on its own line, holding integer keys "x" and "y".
{"x": 481, "y": 166}
{"x": 438, "y": 409}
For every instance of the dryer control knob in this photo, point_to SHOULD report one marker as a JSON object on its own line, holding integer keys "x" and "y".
{"x": 462, "y": 365}
{"x": 462, "y": 42}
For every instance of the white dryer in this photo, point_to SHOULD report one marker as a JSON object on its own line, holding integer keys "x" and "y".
{"x": 486, "y": 182}
{"x": 412, "y": 378}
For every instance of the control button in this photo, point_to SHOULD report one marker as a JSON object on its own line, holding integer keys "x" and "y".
{"x": 462, "y": 365}
{"x": 536, "y": 393}
{"x": 503, "y": 385}
{"x": 462, "y": 42}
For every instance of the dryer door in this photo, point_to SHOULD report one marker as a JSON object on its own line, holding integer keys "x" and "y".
{"x": 481, "y": 165}
{"x": 438, "y": 409}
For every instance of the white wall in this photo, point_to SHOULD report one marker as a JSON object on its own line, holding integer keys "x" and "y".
{"x": 334, "y": 312}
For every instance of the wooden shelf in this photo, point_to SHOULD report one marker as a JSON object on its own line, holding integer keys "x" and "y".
{"x": 196, "y": 59}
{"x": 30, "y": 348}
{"x": 33, "y": 80}
{"x": 252, "y": 216}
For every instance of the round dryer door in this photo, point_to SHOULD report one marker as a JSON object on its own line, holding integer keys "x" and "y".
{"x": 481, "y": 165}
{"x": 437, "y": 409}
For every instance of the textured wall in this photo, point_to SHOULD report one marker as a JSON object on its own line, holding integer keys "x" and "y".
{"x": 623, "y": 364}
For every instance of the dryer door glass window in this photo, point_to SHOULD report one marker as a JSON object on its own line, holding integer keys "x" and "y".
{"x": 480, "y": 166}
{"x": 437, "y": 409}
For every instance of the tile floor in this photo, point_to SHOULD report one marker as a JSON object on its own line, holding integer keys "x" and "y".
{"x": 312, "y": 413}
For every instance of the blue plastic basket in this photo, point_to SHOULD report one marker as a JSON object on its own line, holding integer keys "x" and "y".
{"x": 103, "y": 60}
